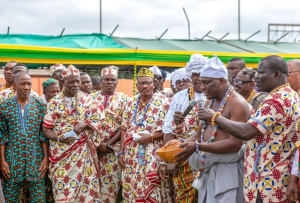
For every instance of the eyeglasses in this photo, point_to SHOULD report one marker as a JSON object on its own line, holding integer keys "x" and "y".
{"x": 158, "y": 77}
{"x": 240, "y": 82}
{"x": 145, "y": 83}
{"x": 294, "y": 71}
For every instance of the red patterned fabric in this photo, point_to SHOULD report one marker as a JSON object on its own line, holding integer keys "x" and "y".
{"x": 268, "y": 156}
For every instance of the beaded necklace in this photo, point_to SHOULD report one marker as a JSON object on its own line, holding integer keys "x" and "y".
{"x": 272, "y": 92}
{"x": 251, "y": 95}
{"x": 211, "y": 139}
{"x": 136, "y": 109}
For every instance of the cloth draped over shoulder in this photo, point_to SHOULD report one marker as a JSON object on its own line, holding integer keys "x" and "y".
{"x": 76, "y": 166}
{"x": 222, "y": 177}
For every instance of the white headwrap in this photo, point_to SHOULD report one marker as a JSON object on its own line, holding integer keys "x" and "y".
{"x": 179, "y": 74}
{"x": 155, "y": 70}
{"x": 197, "y": 62}
{"x": 214, "y": 68}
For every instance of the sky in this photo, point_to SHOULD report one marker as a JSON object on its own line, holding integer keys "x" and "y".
{"x": 147, "y": 18}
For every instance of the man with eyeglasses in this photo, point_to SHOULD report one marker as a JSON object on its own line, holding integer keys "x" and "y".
{"x": 158, "y": 79}
{"x": 294, "y": 74}
{"x": 143, "y": 178}
{"x": 244, "y": 84}
{"x": 164, "y": 75}
{"x": 294, "y": 81}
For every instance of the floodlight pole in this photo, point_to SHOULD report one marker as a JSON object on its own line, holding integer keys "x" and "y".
{"x": 100, "y": 16}
{"x": 188, "y": 23}
{"x": 239, "y": 19}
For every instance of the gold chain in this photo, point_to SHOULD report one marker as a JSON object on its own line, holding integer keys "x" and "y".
{"x": 251, "y": 95}
{"x": 191, "y": 92}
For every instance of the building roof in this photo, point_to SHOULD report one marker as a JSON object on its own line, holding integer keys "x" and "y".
{"x": 95, "y": 49}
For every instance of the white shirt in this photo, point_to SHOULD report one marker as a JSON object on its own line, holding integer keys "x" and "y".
{"x": 179, "y": 102}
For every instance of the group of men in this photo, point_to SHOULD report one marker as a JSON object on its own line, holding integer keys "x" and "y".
{"x": 84, "y": 142}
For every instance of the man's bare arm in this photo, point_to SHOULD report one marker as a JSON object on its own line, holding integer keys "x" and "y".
{"x": 168, "y": 136}
{"x": 236, "y": 128}
{"x": 243, "y": 131}
{"x": 47, "y": 132}
{"x": 122, "y": 139}
{"x": 230, "y": 145}
{"x": 2, "y": 152}
{"x": 115, "y": 138}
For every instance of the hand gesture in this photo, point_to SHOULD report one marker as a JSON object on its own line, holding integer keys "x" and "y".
{"x": 178, "y": 118}
{"x": 145, "y": 139}
{"x": 67, "y": 140}
{"x": 5, "y": 169}
{"x": 188, "y": 149}
{"x": 172, "y": 169}
{"x": 162, "y": 171}
{"x": 122, "y": 161}
{"x": 80, "y": 127}
{"x": 205, "y": 114}
{"x": 44, "y": 166}
{"x": 292, "y": 191}
{"x": 103, "y": 149}
{"x": 173, "y": 142}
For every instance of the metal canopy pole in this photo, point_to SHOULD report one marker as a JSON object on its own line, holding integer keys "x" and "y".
{"x": 252, "y": 35}
{"x": 162, "y": 34}
{"x": 114, "y": 30}
{"x": 8, "y": 29}
{"x": 188, "y": 23}
{"x": 230, "y": 44}
{"x": 62, "y": 32}
{"x": 224, "y": 36}
{"x": 281, "y": 37}
{"x": 203, "y": 36}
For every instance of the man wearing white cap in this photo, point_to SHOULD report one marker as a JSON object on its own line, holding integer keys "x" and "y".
{"x": 219, "y": 176}
{"x": 271, "y": 134}
{"x": 114, "y": 104}
{"x": 158, "y": 78}
{"x": 180, "y": 80}
{"x": 178, "y": 126}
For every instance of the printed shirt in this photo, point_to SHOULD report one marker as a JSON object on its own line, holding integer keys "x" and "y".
{"x": 268, "y": 156}
{"x": 114, "y": 106}
{"x": 147, "y": 173}
{"x": 22, "y": 135}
